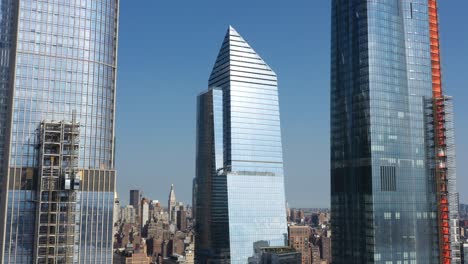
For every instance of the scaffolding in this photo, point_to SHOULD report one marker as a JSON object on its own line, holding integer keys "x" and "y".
{"x": 58, "y": 212}
{"x": 441, "y": 133}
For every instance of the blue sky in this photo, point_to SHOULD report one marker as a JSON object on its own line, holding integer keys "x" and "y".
{"x": 167, "y": 50}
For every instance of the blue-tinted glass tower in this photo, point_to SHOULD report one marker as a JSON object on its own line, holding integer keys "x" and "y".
{"x": 57, "y": 99}
{"x": 239, "y": 186}
{"x": 386, "y": 202}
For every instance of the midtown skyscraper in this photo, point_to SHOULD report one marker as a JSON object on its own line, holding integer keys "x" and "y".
{"x": 135, "y": 200}
{"x": 171, "y": 205}
{"x": 57, "y": 109}
{"x": 239, "y": 186}
{"x": 393, "y": 195}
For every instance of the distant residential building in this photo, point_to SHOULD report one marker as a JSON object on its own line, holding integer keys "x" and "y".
{"x": 323, "y": 218}
{"x": 171, "y": 204}
{"x": 293, "y": 215}
{"x": 326, "y": 249}
{"x": 144, "y": 211}
{"x": 128, "y": 214}
{"x": 299, "y": 240}
{"x": 301, "y": 216}
{"x": 181, "y": 218}
{"x": 315, "y": 254}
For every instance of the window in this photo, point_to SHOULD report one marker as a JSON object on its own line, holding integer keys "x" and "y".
{"x": 388, "y": 178}
{"x": 387, "y": 215}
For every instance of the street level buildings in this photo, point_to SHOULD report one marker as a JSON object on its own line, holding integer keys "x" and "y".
{"x": 58, "y": 62}
{"x": 239, "y": 195}
{"x": 393, "y": 195}
{"x": 298, "y": 237}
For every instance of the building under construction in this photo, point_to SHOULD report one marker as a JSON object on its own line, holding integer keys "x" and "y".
{"x": 441, "y": 141}
{"x": 47, "y": 194}
{"x": 58, "y": 210}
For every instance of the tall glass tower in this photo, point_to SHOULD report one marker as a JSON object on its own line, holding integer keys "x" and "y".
{"x": 57, "y": 99}
{"x": 239, "y": 186}
{"x": 389, "y": 195}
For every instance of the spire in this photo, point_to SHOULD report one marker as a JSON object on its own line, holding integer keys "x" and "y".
{"x": 171, "y": 204}
{"x": 236, "y": 52}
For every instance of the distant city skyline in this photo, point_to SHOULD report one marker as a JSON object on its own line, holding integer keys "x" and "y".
{"x": 156, "y": 113}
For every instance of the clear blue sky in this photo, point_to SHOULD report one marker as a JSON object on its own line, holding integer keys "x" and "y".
{"x": 167, "y": 50}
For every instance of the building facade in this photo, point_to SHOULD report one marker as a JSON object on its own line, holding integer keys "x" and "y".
{"x": 181, "y": 218}
{"x": 128, "y": 214}
{"x": 145, "y": 214}
{"x": 239, "y": 186}
{"x": 135, "y": 200}
{"x": 298, "y": 237}
{"x": 58, "y": 62}
{"x": 392, "y": 197}
{"x": 315, "y": 254}
{"x": 465, "y": 253}
{"x": 326, "y": 248}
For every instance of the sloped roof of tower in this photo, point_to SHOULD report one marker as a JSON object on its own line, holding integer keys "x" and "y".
{"x": 172, "y": 193}
{"x": 236, "y": 52}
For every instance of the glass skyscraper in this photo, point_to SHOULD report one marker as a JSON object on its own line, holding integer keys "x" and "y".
{"x": 57, "y": 66}
{"x": 239, "y": 198}
{"x": 387, "y": 194}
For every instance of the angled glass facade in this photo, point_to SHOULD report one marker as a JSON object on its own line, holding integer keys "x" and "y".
{"x": 383, "y": 186}
{"x": 239, "y": 198}
{"x": 57, "y": 58}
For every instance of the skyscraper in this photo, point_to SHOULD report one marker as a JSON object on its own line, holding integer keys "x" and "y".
{"x": 393, "y": 194}
{"x": 171, "y": 205}
{"x": 144, "y": 212}
{"x": 135, "y": 200}
{"x": 57, "y": 99}
{"x": 239, "y": 182}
